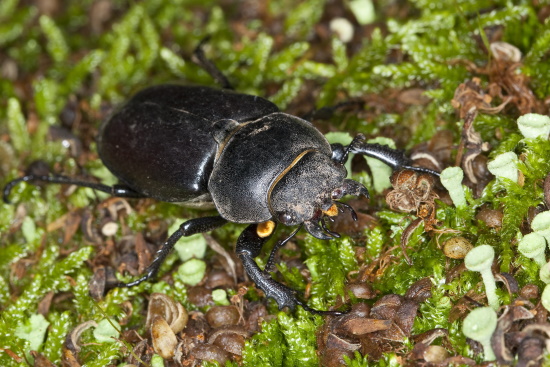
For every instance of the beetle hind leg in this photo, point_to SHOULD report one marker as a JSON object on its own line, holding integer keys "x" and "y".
{"x": 115, "y": 190}
{"x": 248, "y": 247}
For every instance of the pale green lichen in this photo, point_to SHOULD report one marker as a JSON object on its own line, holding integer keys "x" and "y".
{"x": 33, "y": 330}
{"x": 533, "y": 125}
{"x": 451, "y": 178}
{"x": 480, "y": 259}
{"x": 192, "y": 271}
{"x": 479, "y": 325}
{"x": 106, "y": 331}
{"x": 189, "y": 247}
{"x": 533, "y": 246}
{"x": 544, "y": 273}
{"x": 505, "y": 165}
{"x": 219, "y": 296}
{"x": 545, "y": 298}
{"x": 541, "y": 225}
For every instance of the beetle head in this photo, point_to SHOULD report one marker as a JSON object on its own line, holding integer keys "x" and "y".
{"x": 308, "y": 192}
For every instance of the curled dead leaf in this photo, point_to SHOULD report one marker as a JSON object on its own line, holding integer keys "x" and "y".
{"x": 161, "y": 305}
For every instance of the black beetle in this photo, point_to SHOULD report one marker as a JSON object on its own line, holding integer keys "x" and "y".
{"x": 237, "y": 152}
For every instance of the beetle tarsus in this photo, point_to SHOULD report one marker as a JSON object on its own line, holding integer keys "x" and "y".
{"x": 322, "y": 313}
{"x": 188, "y": 228}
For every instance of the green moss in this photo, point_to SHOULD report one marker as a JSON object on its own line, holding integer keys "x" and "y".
{"x": 329, "y": 263}
{"x": 286, "y": 341}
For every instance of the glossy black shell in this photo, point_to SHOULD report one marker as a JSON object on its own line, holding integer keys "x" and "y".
{"x": 160, "y": 143}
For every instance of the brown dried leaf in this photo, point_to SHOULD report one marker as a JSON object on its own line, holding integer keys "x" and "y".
{"x": 361, "y": 290}
{"x": 509, "y": 281}
{"x": 386, "y": 307}
{"x": 502, "y": 352}
{"x": 71, "y": 347}
{"x": 420, "y": 290}
{"x": 44, "y": 305}
{"x": 361, "y": 326}
{"x": 41, "y": 360}
{"x": 406, "y": 315}
{"x": 531, "y": 352}
{"x": 103, "y": 279}
{"x": 139, "y": 352}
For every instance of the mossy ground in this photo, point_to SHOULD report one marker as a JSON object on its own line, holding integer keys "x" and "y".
{"x": 69, "y": 63}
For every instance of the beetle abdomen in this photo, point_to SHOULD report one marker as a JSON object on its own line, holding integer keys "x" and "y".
{"x": 160, "y": 143}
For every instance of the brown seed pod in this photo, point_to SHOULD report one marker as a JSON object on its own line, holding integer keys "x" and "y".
{"x": 219, "y": 279}
{"x": 361, "y": 290}
{"x": 457, "y": 247}
{"x": 219, "y": 316}
{"x": 164, "y": 339}
{"x": 435, "y": 354}
{"x": 491, "y": 217}
{"x": 200, "y": 296}
{"x": 208, "y": 352}
{"x": 405, "y": 179}
{"x": 231, "y": 342}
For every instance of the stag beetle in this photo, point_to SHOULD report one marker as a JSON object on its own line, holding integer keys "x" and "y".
{"x": 238, "y": 153}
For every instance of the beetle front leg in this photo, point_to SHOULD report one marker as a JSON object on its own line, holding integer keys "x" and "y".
{"x": 248, "y": 247}
{"x": 394, "y": 158}
{"x": 191, "y": 227}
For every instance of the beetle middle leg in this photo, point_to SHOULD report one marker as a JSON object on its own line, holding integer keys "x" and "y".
{"x": 248, "y": 247}
{"x": 200, "y": 59}
{"x": 188, "y": 228}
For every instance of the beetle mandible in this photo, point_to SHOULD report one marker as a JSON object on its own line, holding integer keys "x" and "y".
{"x": 238, "y": 153}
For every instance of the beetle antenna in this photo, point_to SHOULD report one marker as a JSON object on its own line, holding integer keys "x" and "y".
{"x": 271, "y": 261}
{"x": 348, "y": 207}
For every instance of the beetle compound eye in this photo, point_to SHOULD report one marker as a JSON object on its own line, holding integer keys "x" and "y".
{"x": 337, "y": 194}
{"x": 285, "y": 218}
